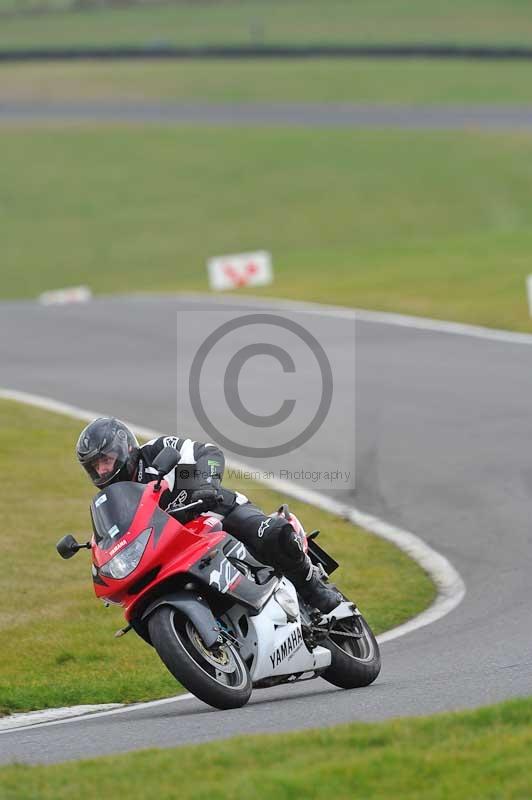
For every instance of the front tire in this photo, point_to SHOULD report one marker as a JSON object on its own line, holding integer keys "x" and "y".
{"x": 218, "y": 677}
{"x": 355, "y": 662}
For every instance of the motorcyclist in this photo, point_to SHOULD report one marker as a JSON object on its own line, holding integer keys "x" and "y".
{"x": 109, "y": 452}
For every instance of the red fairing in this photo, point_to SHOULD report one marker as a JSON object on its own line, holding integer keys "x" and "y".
{"x": 144, "y": 513}
{"x": 171, "y": 549}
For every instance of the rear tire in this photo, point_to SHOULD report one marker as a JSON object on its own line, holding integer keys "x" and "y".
{"x": 219, "y": 678}
{"x": 354, "y": 662}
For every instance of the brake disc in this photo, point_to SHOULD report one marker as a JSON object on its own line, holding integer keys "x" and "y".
{"x": 221, "y": 659}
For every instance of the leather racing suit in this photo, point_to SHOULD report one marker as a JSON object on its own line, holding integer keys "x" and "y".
{"x": 271, "y": 540}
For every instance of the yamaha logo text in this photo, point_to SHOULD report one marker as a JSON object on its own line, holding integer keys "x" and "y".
{"x": 288, "y": 647}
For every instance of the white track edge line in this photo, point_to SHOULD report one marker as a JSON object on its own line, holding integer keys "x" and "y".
{"x": 339, "y": 312}
{"x": 58, "y": 716}
{"x": 450, "y": 586}
{"x": 362, "y": 314}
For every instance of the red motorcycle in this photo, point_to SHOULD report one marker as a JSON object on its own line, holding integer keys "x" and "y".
{"x": 222, "y": 622}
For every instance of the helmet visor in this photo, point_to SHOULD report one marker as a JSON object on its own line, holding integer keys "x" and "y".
{"x": 103, "y": 468}
{"x": 105, "y": 463}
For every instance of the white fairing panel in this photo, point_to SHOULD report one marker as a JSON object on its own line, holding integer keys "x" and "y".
{"x": 276, "y": 644}
{"x": 342, "y": 611}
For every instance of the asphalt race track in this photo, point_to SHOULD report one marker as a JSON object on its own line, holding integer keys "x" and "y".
{"x": 443, "y": 427}
{"x": 316, "y": 115}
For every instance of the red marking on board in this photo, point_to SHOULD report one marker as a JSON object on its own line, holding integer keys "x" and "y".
{"x": 240, "y": 278}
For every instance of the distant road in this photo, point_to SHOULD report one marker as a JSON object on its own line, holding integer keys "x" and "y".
{"x": 317, "y": 115}
{"x": 483, "y": 52}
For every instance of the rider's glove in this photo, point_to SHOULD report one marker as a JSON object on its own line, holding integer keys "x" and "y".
{"x": 208, "y": 495}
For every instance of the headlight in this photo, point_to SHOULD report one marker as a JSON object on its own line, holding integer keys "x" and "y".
{"x": 127, "y": 559}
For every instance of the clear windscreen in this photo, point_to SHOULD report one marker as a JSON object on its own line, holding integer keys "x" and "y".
{"x": 113, "y": 510}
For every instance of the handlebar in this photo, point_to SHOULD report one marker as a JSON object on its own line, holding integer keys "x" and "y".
{"x": 196, "y": 503}
{"x": 190, "y": 505}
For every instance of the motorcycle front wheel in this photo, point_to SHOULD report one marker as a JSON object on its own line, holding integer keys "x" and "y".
{"x": 218, "y": 676}
{"x": 355, "y": 655}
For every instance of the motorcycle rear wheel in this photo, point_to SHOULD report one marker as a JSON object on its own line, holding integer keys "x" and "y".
{"x": 218, "y": 677}
{"x": 354, "y": 662}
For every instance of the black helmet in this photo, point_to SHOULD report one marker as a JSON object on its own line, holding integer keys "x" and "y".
{"x": 105, "y": 439}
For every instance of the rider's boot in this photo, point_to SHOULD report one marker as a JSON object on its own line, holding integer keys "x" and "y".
{"x": 306, "y": 578}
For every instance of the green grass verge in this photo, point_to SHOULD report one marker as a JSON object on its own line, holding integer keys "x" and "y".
{"x": 57, "y": 641}
{"x": 429, "y": 223}
{"x": 281, "y": 80}
{"x": 479, "y": 755}
{"x": 277, "y": 21}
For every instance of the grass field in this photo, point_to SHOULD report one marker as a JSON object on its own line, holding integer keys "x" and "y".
{"x": 277, "y": 21}
{"x": 480, "y": 755}
{"x": 435, "y": 224}
{"x": 281, "y": 80}
{"x": 57, "y": 641}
